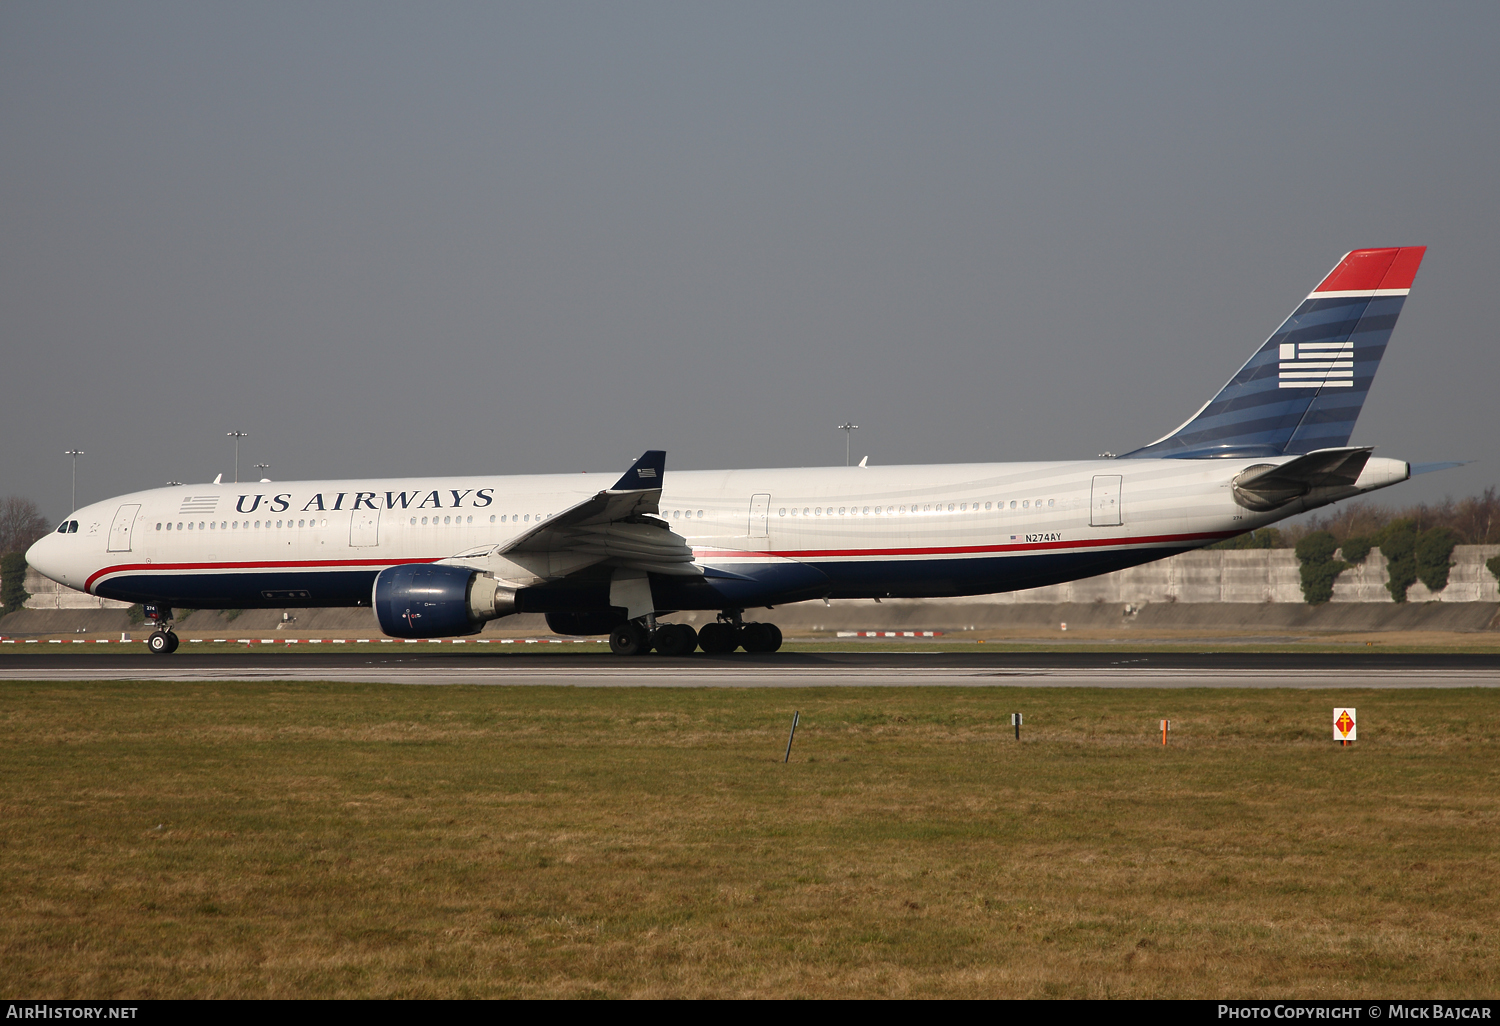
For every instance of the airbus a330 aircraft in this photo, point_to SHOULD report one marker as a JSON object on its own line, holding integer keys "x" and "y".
{"x": 440, "y": 557}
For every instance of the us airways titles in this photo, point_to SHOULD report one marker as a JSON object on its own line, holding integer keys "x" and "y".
{"x": 419, "y": 499}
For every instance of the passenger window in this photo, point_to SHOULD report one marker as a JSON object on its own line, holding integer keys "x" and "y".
{"x": 950, "y": 507}
{"x": 841, "y": 511}
{"x": 867, "y": 510}
{"x": 492, "y": 518}
{"x": 963, "y": 507}
{"x": 528, "y": 518}
{"x": 1026, "y": 504}
{"x": 804, "y": 511}
{"x": 794, "y": 511}
{"x": 700, "y": 514}
{"x": 781, "y": 512}
{"x": 1049, "y": 502}
{"x": 677, "y": 514}
{"x": 158, "y": 527}
{"x": 447, "y": 520}
{"x": 817, "y": 511}
{"x": 1012, "y": 503}
{"x": 986, "y": 505}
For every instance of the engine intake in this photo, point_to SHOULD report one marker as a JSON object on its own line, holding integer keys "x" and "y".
{"x": 429, "y": 600}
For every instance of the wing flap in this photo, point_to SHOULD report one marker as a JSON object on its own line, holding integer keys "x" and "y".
{"x": 613, "y": 526}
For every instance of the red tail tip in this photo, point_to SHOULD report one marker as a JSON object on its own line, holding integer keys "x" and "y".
{"x": 1366, "y": 270}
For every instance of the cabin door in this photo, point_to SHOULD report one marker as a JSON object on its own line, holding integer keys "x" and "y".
{"x": 1104, "y": 509}
{"x": 364, "y": 529}
{"x": 119, "y": 531}
{"x": 760, "y": 510}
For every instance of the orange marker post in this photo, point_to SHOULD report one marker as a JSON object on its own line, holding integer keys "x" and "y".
{"x": 1166, "y": 725}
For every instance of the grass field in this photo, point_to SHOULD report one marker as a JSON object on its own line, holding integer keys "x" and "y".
{"x": 350, "y": 840}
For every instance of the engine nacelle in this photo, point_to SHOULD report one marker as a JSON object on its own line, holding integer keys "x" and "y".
{"x": 429, "y": 600}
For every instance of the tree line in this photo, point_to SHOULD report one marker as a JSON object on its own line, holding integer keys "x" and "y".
{"x": 21, "y": 523}
{"x": 1417, "y": 541}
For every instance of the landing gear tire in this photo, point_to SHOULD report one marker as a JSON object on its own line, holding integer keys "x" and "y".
{"x": 675, "y": 639}
{"x": 718, "y": 638}
{"x": 629, "y": 639}
{"x": 760, "y": 637}
{"x": 162, "y": 643}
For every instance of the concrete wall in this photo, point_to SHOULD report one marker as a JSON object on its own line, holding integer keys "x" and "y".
{"x": 47, "y": 594}
{"x": 1257, "y": 575}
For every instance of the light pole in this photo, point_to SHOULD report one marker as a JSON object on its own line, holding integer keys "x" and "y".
{"x": 262, "y": 467}
{"x": 237, "y": 435}
{"x": 75, "y": 453}
{"x": 848, "y": 429}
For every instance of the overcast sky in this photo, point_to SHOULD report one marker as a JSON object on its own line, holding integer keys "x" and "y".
{"x": 446, "y": 238}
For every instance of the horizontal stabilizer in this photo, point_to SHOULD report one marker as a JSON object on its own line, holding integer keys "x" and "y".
{"x": 1266, "y": 487}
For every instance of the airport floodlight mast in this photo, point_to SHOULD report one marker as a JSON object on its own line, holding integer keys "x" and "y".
{"x": 75, "y": 453}
{"x": 263, "y": 467}
{"x": 848, "y": 429}
{"x": 237, "y": 435}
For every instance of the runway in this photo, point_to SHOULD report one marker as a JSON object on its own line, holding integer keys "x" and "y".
{"x": 1061, "y": 669}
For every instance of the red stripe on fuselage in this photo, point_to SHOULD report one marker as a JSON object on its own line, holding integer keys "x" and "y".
{"x": 797, "y": 554}
{"x": 272, "y": 565}
{"x": 960, "y": 550}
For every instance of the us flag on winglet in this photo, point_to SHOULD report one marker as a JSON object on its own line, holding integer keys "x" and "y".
{"x": 1316, "y": 364}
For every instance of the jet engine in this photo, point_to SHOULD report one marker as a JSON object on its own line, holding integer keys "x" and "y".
{"x": 430, "y": 600}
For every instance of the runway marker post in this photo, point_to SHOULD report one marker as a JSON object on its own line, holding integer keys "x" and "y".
{"x": 788, "y": 757}
{"x": 1015, "y": 721}
{"x": 1344, "y": 728}
{"x": 1166, "y": 725}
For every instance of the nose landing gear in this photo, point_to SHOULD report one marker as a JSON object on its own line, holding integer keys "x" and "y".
{"x": 162, "y": 643}
{"x": 162, "y": 640}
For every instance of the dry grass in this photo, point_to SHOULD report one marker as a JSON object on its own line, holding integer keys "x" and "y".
{"x": 338, "y": 840}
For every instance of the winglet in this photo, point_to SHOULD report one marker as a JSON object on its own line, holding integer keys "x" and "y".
{"x": 645, "y": 474}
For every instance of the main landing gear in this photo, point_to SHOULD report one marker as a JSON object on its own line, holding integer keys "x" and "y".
{"x": 162, "y": 641}
{"x": 725, "y": 635}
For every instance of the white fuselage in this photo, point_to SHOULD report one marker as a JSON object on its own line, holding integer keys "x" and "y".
{"x": 868, "y": 531}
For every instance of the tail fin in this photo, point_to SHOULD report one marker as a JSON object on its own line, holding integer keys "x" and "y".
{"x": 1303, "y": 389}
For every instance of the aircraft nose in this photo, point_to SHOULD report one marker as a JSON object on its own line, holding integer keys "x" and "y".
{"x": 43, "y": 557}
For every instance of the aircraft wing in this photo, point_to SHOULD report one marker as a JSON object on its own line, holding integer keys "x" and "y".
{"x": 611, "y": 525}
